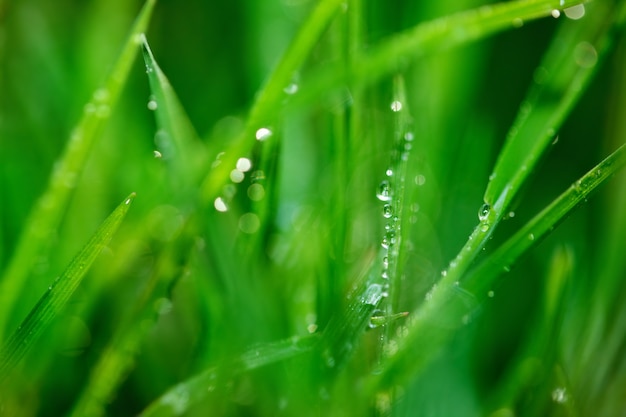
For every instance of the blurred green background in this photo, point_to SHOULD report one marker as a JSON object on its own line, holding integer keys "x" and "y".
{"x": 53, "y": 55}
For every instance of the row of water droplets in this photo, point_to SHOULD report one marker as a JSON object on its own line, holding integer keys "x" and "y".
{"x": 248, "y": 222}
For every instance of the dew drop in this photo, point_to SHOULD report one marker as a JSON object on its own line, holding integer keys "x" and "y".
{"x": 483, "y": 212}
{"x": 396, "y": 106}
{"x": 256, "y": 192}
{"x": 420, "y": 179}
{"x": 244, "y": 164}
{"x": 249, "y": 223}
{"x": 263, "y": 134}
{"x": 152, "y": 105}
{"x": 236, "y": 176}
{"x": 158, "y": 155}
{"x": 389, "y": 172}
{"x": 387, "y": 211}
{"x": 559, "y": 395}
{"x": 373, "y": 294}
{"x": 409, "y": 136}
{"x": 491, "y": 294}
{"x": 517, "y": 22}
{"x": 585, "y": 55}
{"x": 384, "y": 191}
{"x": 531, "y": 236}
{"x": 511, "y": 214}
{"x": 220, "y": 205}
{"x": 556, "y": 13}
{"x": 575, "y": 12}
{"x": 484, "y": 228}
{"x": 291, "y": 89}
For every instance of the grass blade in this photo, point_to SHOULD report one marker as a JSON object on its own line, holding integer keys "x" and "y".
{"x": 434, "y": 36}
{"x": 268, "y": 102}
{"x": 427, "y": 334}
{"x": 183, "y": 396}
{"x": 48, "y": 211}
{"x": 58, "y": 294}
{"x": 177, "y": 141}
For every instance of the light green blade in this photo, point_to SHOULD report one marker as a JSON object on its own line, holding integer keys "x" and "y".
{"x": 176, "y": 140}
{"x": 48, "y": 212}
{"x": 59, "y": 292}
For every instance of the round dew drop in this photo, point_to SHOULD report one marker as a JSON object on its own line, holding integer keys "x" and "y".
{"x": 384, "y": 191}
{"x": 396, "y": 106}
{"x": 483, "y": 212}
{"x": 263, "y": 134}
{"x": 152, "y": 105}
{"x": 387, "y": 211}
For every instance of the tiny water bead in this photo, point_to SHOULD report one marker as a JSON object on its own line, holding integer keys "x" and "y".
{"x": 152, "y": 104}
{"x": 420, "y": 179}
{"x": 387, "y": 211}
{"x": 244, "y": 164}
{"x": 384, "y": 191}
{"x": 373, "y": 294}
{"x": 396, "y": 106}
{"x": 291, "y": 89}
{"x": 559, "y": 395}
{"x": 263, "y": 134}
{"x": 491, "y": 294}
{"x": 585, "y": 55}
{"x": 158, "y": 155}
{"x": 256, "y": 192}
{"x": 220, "y": 205}
{"x": 483, "y": 212}
{"x": 249, "y": 223}
{"x": 556, "y": 13}
{"x": 517, "y": 22}
{"x": 236, "y": 176}
{"x": 575, "y": 12}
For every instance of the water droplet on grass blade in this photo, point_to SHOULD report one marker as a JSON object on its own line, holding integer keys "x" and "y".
{"x": 559, "y": 395}
{"x": 387, "y": 211}
{"x": 575, "y": 12}
{"x": 249, "y": 223}
{"x": 396, "y": 106}
{"x": 384, "y": 191}
{"x": 152, "y": 105}
{"x": 236, "y": 176}
{"x": 483, "y": 212}
{"x": 517, "y": 22}
{"x": 244, "y": 164}
{"x": 585, "y": 55}
{"x": 291, "y": 89}
{"x": 556, "y": 13}
{"x": 220, "y": 205}
{"x": 263, "y": 134}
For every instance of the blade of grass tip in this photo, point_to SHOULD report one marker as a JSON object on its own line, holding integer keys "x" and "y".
{"x": 270, "y": 98}
{"x": 58, "y": 294}
{"x": 183, "y": 396}
{"x": 430, "y": 37}
{"x": 48, "y": 211}
{"x": 426, "y": 334}
{"x": 176, "y": 139}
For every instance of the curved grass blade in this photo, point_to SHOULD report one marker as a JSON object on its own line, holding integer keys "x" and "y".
{"x": 183, "y": 396}
{"x": 426, "y": 335}
{"x": 269, "y": 99}
{"x": 48, "y": 211}
{"x": 434, "y": 36}
{"x": 177, "y": 140}
{"x": 481, "y": 278}
{"x": 58, "y": 294}
{"x": 560, "y": 80}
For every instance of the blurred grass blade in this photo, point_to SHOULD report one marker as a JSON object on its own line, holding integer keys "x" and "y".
{"x": 58, "y": 294}
{"x": 269, "y": 101}
{"x": 426, "y": 336}
{"x": 183, "y": 396}
{"x": 559, "y": 82}
{"x": 49, "y": 209}
{"x": 176, "y": 139}
{"x": 434, "y": 36}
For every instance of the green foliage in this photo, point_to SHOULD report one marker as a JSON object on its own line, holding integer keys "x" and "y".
{"x": 321, "y": 254}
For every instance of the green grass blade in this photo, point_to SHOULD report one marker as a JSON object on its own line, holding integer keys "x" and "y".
{"x": 58, "y": 294}
{"x": 427, "y": 334}
{"x": 49, "y": 209}
{"x": 182, "y": 397}
{"x": 268, "y": 103}
{"x": 566, "y": 69}
{"x": 434, "y": 36}
{"x": 177, "y": 141}
{"x": 481, "y": 278}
